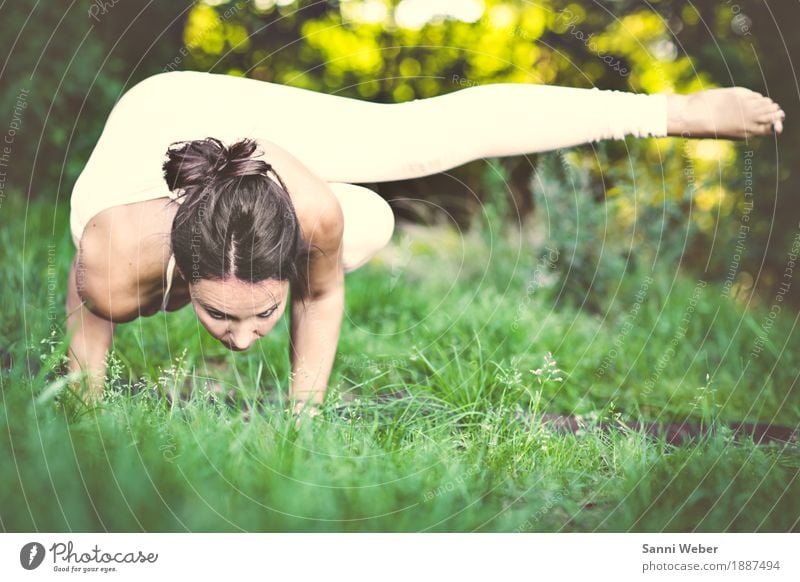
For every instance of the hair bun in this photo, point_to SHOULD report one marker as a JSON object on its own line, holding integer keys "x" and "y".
{"x": 198, "y": 163}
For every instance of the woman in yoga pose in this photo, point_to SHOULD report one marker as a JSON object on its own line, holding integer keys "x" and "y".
{"x": 227, "y": 192}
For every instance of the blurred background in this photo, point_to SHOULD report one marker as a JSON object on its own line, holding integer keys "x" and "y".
{"x": 640, "y": 279}
{"x": 672, "y": 199}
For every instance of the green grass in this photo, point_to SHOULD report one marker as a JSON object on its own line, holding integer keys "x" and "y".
{"x": 424, "y": 424}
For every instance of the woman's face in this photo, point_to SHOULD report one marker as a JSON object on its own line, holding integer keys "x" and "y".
{"x": 238, "y": 312}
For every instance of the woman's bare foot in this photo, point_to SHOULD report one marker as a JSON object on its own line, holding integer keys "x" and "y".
{"x": 730, "y": 113}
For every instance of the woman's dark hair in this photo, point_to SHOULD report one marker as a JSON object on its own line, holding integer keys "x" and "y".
{"x": 234, "y": 219}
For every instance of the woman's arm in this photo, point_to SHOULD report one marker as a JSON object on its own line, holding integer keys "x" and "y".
{"x": 90, "y": 340}
{"x": 315, "y": 327}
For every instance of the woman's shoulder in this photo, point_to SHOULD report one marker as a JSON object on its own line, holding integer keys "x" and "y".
{"x": 315, "y": 204}
{"x": 121, "y": 258}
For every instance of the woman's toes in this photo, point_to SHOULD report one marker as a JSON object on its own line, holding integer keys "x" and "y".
{"x": 764, "y": 129}
{"x": 769, "y": 117}
{"x": 769, "y": 113}
{"x": 773, "y": 106}
{"x": 768, "y": 128}
{"x": 766, "y": 103}
{"x": 777, "y": 115}
{"x": 733, "y": 113}
{"x": 766, "y": 109}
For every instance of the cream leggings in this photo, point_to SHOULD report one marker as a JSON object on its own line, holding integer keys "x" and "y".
{"x": 369, "y": 142}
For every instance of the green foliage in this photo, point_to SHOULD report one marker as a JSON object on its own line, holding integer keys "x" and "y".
{"x": 592, "y": 254}
{"x": 434, "y": 416}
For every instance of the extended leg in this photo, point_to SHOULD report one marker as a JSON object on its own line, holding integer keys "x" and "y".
{"x": 352, "y": 140}
{"x": 359, "y": 141}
